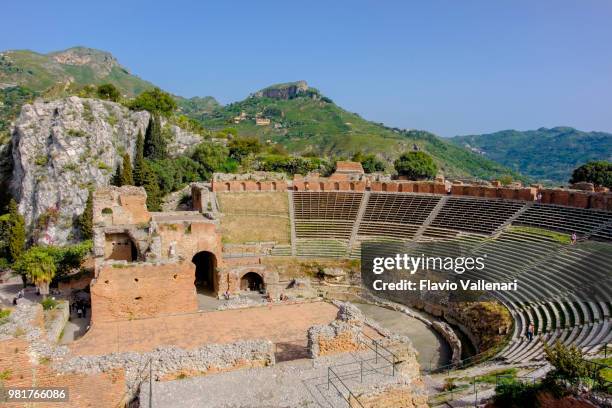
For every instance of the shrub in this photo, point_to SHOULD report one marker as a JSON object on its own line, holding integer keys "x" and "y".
{"x": 154, "y": 101}
{"x": 449, "y": 384}
{"x": 369, "y": 162}
{"x": 41, "y": 160}
{"x": 515, "y": 395}
{"x": 568, "y": 362}
{"x": 49, "y": 303}
{"x": 108, "y": 92}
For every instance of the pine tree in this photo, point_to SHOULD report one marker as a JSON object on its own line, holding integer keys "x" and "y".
{"x": 16, "y": 233}
{"x": 139, "y": 163}
{"x": 116, "y": 180}
{"x": 126, "y": 178}
{"x": 155, "y": 145}
{"x": 151, "y": 186}
{"x": 85, "y": 220}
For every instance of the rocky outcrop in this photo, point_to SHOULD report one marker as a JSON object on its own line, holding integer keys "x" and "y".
{"x": 64, "y": 147}
{"x": 283, "y": 91}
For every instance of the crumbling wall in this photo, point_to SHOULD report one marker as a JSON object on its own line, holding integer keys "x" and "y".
{"x": 126, "y": 205}
{"x": 170, "y": 361}
{"x": 187, "y": 239}
{"x": 392, "y": 397}
{"x": 138, "y": 290}
{"x": 342, "y": 335}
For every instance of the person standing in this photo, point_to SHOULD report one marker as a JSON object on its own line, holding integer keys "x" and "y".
{"x": 530, "y": 331}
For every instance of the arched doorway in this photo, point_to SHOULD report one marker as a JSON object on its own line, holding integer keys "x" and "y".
{"x": 205, "y": 276}
{"x": 251, "y": 281}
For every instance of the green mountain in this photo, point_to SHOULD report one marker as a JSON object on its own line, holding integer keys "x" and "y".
{"x": 26, "y": 74}
{"x": 547, "y": 155}
{"x": 76, "y": 66}
{"x": 306, "y": 122}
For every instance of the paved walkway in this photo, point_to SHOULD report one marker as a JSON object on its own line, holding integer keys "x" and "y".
{"x": 287, "y": 385}
{"x": 278, "y": 323}
{"x": 433, "y": 349}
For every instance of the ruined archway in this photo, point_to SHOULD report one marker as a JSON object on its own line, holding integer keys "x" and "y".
{"x": 120, "y": 247}
{"x": 252, "y": 281}
{"x": 206, "y": 280}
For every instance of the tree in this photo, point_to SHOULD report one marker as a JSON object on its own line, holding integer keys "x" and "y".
{"x": 38, "y": 266}
{"x": 241, "y": 147}
{"x": 85, "y": 220}
{"x": 16, "y": 233}
{"x": 155, "y": 101}
{"x": 416, "y": 166}
{"x": 154, "y": 142}
{"x": 151, "y": 186}
{"x": 139, "y": 161}
{"x": 211, "y": 158}
{"x": 108, "y": 92}
{"x": 116, "y": 180}
{"x": 369, "y": 162}
{"x": 597, "y": 172}
{"x": 506, "y": 180}
{"x": 127, "y": 178}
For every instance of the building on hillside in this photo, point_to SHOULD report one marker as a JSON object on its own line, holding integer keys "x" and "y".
{"x": 262, "y": 121}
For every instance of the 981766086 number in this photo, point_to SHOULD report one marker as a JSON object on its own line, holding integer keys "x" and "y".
{"x": 34, "y": 394}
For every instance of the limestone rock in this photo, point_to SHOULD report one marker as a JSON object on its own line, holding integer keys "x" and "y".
{"x": 63, "y": 147}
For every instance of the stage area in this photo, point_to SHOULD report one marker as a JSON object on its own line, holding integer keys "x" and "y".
{"x": 279, "y": 324}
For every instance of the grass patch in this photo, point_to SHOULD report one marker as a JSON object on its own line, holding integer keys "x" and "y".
{"x": 553, "y": 235}
{"x": 76, "y": 133}
{"x": 509, "y": 374}
{"x": 238, "y": 229}
{"x": 4, "y": 315}
{"x": 606, "y": 373}
{"x": 248, "y": 203}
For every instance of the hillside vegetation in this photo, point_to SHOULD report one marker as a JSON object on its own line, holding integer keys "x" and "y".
{"x": 309, "y": 123}
{"x": 548, "y": 155}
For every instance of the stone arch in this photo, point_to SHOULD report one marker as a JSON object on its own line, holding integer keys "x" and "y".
{"x": 336, "y": 186}
{"x": 206, "y": 275}
{"x": 274, "y": 186}
{"x": 258, "y": 186}
{"x": 322, "y": 186}
{"x": 243, "y": 186}
{"x": 352, "y": 186}
{"x": 227, "y": 187}
{"x": 384, "y": 187}
{"x": 306, "y": 186}
{"x": 252, "y": 281}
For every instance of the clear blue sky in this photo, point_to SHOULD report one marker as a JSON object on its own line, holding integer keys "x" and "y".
{"x": 451, "y": 67}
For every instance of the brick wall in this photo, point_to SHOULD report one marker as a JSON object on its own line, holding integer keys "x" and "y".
{"x": 190, "y": 239}
{"x": 143, "y": 290}
{"x": 576, "y": 198}
{"x": 507, "y": 193}
{"x": 248, "y": 185}
{"x": 120, "y": 206}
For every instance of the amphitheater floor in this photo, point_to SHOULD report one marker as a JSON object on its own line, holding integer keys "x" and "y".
{"x": 278, "y": 323}
{"x": 433, "y": 349}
